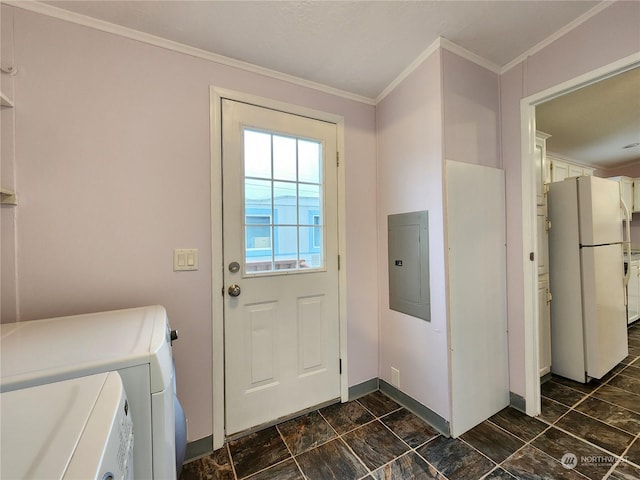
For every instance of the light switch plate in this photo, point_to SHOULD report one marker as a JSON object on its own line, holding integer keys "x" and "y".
{"x": 185, "y": 259}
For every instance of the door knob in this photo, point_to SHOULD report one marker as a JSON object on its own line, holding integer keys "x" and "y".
{"x": 234, "y": 290}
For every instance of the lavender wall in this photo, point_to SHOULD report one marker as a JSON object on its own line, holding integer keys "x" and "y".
{"x": 113, "y": 172}
{"x": 471, "y": 99}
{"x": 632, "y": 170}
{"x": 410, "y": 178}
{"x": 609, "y": 36}
{"x": 447, "y": 108}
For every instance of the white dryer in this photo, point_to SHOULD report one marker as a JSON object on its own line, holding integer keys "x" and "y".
{"x": 134, "y": 342}
{"x": 75, "y": 429}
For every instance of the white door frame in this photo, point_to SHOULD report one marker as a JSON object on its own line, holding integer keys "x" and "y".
{"x": 217, "y": 265}
{"x": 529, "y": 237}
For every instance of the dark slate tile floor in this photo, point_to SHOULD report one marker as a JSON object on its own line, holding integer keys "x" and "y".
{"x": 595, "y": 425}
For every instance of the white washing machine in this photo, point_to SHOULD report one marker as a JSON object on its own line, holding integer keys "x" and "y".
{"x": 75, "y": 429}
{"x": 134, "y": 342}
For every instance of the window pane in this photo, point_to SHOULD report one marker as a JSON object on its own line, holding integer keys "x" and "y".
{"x": 311, "y": 250}
{"x": 286, "y": 248}
{"x": 258, "y": 252}
{"x": 258, "y": 238}
{"x": 258, "y": 191}
{"x": 309, "y": 198}
{"x": 257, "y": 154}
{"x": 309, "y": 161}
{"x": 284, "y": 158}
{"x": 285, "y": 203}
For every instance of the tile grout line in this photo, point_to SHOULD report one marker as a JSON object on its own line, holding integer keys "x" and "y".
{"x": 375, "y": 419}
{"x": 339, "y": 435}
{"x": 623, "y": 458}
{"x": 369, "y": 472}
{"x": 411, "y": 449}
{"x": 530, "y": 444}
{"x": 587, "y": 441}
{"x": 615, "y": 404}
{"x": 599, "y": 420}
{"x": 414, "y": 450}
{"x": 293, "y": 457}
{"x": 592, "y": 396}
{"x": 573, "y": 408}
{"x": 496, "y": 466}
{"x": 233, "y": 467}
{"x": 527, "y": 443}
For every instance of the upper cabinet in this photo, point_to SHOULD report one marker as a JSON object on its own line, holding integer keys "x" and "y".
{"x": 627, "y": 192}
{"x": 562, "y": 167}
{"x": 635, "y": 206}
{"x": 559, "y": 169}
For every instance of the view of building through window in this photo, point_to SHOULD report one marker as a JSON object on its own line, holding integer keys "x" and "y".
{"x": 283, "y": 203}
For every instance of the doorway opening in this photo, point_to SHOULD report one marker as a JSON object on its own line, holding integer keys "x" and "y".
{"x": 530, "y": 220}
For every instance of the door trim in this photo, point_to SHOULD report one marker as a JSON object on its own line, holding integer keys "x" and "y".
{"x": 529, "y": 237}
{"x": 216, "y": 95}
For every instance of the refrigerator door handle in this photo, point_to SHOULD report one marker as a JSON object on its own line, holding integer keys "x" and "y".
{"x": 627, "y": 242}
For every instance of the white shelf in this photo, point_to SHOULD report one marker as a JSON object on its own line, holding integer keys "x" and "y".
{"x": 4, "y": 101}
{"x": 8, "y": 197}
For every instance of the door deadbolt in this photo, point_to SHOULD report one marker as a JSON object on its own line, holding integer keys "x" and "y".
{"x": 234, "y": 290}
{"x": 234, "y": 267}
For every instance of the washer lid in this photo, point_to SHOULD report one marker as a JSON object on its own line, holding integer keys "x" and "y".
{"x": 43, "y": 351}
{"x": 42, "y": 426}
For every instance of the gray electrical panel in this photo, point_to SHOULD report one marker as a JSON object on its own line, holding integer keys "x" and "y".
{"x": 409, "y": 264}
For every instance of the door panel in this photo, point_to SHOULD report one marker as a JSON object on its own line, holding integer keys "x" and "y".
{"x": 280, "y": 245}
{"x": 310, "y": 326}
{"x": 261, "y": 324}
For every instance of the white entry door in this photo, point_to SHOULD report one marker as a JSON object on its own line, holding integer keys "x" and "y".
{"x": 281, "y": 322}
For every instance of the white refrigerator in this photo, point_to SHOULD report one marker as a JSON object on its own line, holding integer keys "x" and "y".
{"x": 586, "y": 268}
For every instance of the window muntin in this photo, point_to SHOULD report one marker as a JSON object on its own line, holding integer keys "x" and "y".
{"x": 283, "y": 185}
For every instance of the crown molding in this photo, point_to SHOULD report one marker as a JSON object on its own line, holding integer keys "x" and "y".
{"x": 469, "y": 55}
{"x": 560, "y": 33}
{"x": 430, "y": 50}
{"x": 440, "y": 42}
{"x": 84, "y": 20}
{"x": 445, "y": 44}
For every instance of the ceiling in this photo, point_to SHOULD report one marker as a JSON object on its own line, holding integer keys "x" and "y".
{"x": 356, "y": 46}
{"x": 594, "y": 124}
{"x": 361, "y": 47}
